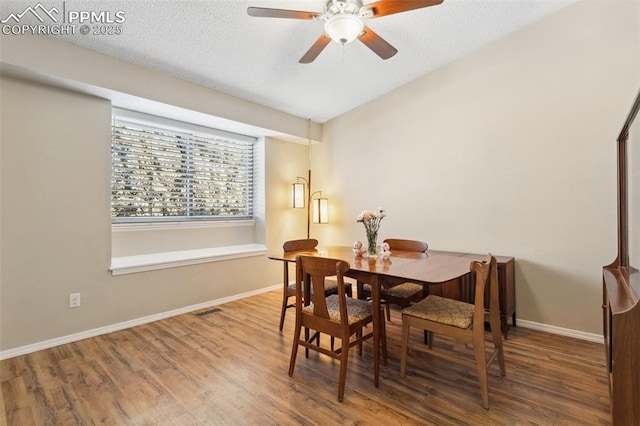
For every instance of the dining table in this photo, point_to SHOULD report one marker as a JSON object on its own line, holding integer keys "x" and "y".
{"x": 430, "y": 268}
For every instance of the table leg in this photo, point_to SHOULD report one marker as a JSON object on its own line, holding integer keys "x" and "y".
{"x": 306, "y": 302}
{"x": 375, "y": 300}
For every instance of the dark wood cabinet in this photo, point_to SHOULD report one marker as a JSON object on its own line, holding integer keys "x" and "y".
{"x": 621, "y": 287}
{"x": 622, "y": 342}
{"x": 507, "y": 283}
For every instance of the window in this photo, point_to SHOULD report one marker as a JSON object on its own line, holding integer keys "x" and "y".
{"x": 168, "y": 170}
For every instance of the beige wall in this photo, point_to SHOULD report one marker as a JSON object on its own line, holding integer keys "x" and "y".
{"x": 56, "y": 230}
{"x": 510, "y": 150}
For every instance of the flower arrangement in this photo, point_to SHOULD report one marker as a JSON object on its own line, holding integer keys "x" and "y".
{"x": 371, "y": 221}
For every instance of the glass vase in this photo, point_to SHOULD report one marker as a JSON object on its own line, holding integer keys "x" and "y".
{"x": 372, "y": 247}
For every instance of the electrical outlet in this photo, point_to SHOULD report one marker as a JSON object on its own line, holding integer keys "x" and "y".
{"x": 74, "y": 300}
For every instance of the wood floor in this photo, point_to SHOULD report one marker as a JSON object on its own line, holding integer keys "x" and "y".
{"x": 230, "y": 368}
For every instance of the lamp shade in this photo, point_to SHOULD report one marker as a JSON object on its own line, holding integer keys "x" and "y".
{"x": 343, "y": 28}
{"x": 298, "y": 196}
{"x": 321, "y": 210}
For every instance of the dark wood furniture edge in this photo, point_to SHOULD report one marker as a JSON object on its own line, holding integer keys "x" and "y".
{"x": 621, "y": 307}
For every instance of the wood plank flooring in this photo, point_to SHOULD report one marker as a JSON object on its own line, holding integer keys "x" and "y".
{"x": 230, "y": 368}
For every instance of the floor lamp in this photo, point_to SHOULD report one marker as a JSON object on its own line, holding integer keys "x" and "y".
{"x": 299, "y": 201}
{"x": 320, "y": 205}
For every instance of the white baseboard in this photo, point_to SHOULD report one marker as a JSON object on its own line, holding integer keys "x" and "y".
{"x": 591, "y": 337}
{"x": 22, "y": 350}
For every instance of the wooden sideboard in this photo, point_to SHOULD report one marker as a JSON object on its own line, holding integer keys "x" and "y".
{"x": 621, "y": 285}
{"x": 507, "y": 283}
{"x": 622, "y": 342}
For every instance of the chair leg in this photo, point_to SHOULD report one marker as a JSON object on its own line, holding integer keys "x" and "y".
{"x": 360, "y": 290}
{"x": 315, "y": 337}
{"x": 343, "y": 368}
{"x": 294, "y": 350}
{"x": 285, "y": 293}
{"x": 481, "y": 366}
{"x": 497, "y": 343}
{"x": 383, "y": 336}
{"x": 283, "y": 311}
{"x": 430, "y": 336}
{"x": 503, "y": 371}
{"x": 405, "y": 345}
{"x": 358, "y": 336}
{"x": 388, "y": 309}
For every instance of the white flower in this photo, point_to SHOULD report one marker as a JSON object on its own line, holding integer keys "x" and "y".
{"x": 371, "y": 219}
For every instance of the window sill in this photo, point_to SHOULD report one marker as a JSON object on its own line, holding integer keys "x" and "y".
{"x": 150, "y": 262}
{"x": 164, "y": 226}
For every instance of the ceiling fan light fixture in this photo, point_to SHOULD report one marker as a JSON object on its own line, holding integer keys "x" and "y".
{"x": 344, "y": 22}
{"x": 343, "y": 28}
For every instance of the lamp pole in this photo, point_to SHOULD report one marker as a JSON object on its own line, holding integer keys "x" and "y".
{"x": 309, "y": 178}
{"x": 309, "y": 205}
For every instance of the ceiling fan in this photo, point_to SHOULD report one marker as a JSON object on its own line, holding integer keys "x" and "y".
{"x": 344, "y": 22}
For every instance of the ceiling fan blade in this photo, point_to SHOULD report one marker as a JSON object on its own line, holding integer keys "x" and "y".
{"x": 376, "y": 43}
{"x": 263, "y": 12}
{"x": 389, "y": 7}
{"x": 315, "y": 50}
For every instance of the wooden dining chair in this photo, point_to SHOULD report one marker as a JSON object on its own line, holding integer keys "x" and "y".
{"x": 289, "y": 290}
{"x": 337, "y": 315}
{"x": 402, "y": 294}
{"x": 438, "y": 315}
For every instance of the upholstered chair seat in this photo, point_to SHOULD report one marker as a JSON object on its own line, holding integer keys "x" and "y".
{"x": 405, "y": 290}
{"x": 357, "y": 310}
{"x": 443, "y": 310}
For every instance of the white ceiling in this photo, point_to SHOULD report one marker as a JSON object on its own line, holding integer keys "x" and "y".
{"x": 216, "y": 44}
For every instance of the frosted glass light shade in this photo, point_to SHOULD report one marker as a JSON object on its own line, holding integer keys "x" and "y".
{"x": 298, "y": 196}
{"x": 343, "y": 28}
{"x": 321, "y": 210}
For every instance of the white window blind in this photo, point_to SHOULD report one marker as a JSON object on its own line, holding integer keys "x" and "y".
{"x": 166, "y": 170}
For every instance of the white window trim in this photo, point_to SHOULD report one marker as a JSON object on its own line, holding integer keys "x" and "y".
{"x": 154, "y": 261}
{"x": 169, "y": 225}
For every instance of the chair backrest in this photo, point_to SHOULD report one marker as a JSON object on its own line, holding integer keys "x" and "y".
{"x": 314, "y": 270}
{"x": 486, "y": 273}
{"x": 407, "y": 245}
{"x": 294, "y": 245}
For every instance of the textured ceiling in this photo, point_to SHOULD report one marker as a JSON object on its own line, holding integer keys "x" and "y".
{"x": 216, "y": 44}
